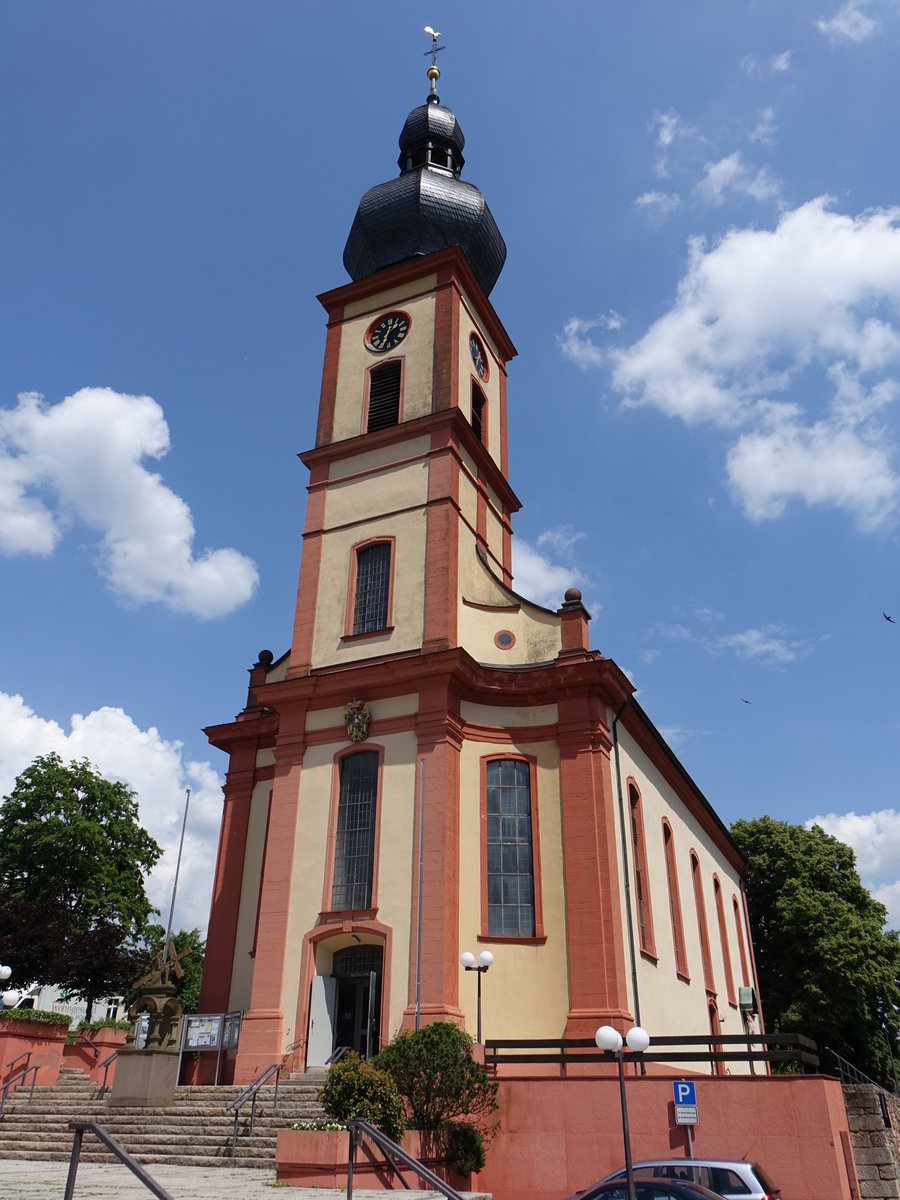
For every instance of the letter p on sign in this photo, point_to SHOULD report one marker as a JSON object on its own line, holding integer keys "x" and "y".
{"x": 685, "y": 1092}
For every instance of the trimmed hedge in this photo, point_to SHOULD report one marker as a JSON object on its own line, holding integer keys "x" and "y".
{"x": 35, "y": 1016}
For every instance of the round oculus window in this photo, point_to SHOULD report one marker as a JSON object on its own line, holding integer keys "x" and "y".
{"x": 505, "y": 639}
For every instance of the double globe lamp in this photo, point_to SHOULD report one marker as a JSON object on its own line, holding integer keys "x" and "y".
{"x": 11, "y": 996}
{"x": 638, "y": 1040}
{"x": 485, "y": 958}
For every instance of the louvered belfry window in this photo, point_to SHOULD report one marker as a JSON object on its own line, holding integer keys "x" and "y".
{"x": 373, "y": 581}
{"x": 354, "y": 851}
{"x": 384, "y": 396}
{"x": 510, "y": 863}
{"x": 478, "y": 403}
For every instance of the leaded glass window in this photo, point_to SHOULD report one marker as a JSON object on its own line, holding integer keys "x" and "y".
{"x": 354, "y": 851}
{"x": 373, "y": 579}
{"x": 510, "y": 864}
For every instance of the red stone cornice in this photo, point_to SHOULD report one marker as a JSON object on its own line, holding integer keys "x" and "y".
{"x": 452, "y": 261}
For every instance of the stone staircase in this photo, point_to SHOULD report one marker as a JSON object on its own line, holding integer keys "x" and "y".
{"x": 194, "y": 1131}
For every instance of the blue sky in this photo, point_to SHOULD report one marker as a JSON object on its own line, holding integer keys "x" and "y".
{"x": 703, "y": 283}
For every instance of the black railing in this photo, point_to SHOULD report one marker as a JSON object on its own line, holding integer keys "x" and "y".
{"x": 395, "y": 1156}
{"x": 848, "y": 1073}
{"x": 106, "y": 1064}
{"x": 80, "y": 1128}
{"x": 18, "y": 1079}
{"x": 250, "y": 1093}
{"x": 776, "y": 1049}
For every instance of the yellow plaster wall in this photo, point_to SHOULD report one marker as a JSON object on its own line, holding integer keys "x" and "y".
{"x": 525, "y": 993}
{"x": 489, "y": 714}
{"x": 242, "y": 968}
{"x": 379, "y": 459}
{"x": 408, "y": 595}
{"x": 379, "y": 710}
{"x": 393, "y": 879}
{"x": 390, "y": 490}
{"x": 355, "y": 360}
{"x": 468, "y": 324}
{"x": 667, "y": 1002}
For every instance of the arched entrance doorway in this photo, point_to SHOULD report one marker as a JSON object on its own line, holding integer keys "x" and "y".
{"x": 357, "y": 972}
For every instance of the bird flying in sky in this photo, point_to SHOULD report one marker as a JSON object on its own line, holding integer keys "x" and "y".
{"x": 887, "y": 618}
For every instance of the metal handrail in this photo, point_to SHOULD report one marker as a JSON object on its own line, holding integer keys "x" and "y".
{"x": 336, "y": 1055}
{"x": 23, "y": 1074}
{"x": 250, "y": 1093}
{"x": 848, "y": 1073}
{"x": 26, "y": 1055}
{"x": 80, "y": 1129}
{"x": 774, "y": 1048}
{"x": 393, "y": 1153}
{"x": 107, "y": 1062}
{"x": 84, "y": 1033}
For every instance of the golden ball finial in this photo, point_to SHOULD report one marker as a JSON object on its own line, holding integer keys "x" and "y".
{"x": 434, "y": 73}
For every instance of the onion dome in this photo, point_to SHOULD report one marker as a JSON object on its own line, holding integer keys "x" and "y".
{"x": 428, "y": 207}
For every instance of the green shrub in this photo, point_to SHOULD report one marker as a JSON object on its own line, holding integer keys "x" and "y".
{"x": 355, "y": 1088}
{"x": 464, "y": 1144}
{"x": 435, "y": 1073}
{"x": 36, "y": 1016}
{"x": 105, "y": 1023}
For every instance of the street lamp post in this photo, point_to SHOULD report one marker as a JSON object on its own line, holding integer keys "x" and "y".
{"x": 638, "y": 1040}
{"x": 485, "y": 958}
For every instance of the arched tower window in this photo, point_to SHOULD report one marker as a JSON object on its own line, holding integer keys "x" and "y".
{"x": 702, "y": 928}
{"x": 384, "y": 396}
{"x": 479, "y": 413}
{"x": 354, "y": 852}
{"x": 371, "y": 601}
{"x": 674, "y": 902}
{"x": 723, "y": 938}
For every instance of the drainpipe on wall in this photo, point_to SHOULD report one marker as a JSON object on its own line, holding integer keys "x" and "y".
{"x": 625, "y": 868}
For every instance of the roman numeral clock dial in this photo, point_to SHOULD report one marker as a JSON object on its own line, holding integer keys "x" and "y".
{"x": 387, "y": 332}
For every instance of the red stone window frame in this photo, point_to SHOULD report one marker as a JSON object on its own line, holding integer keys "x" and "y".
{"x": 739, "y": 930}
{"x": 715, "y": 1029}
{"x": 640, "y": 873}
{"x": 377, "y": 366}
{"x": 681, "y": 966}
{"x": 702, "y": 927}
{"x": 331, "y": 841}
{"x": 539, "y": 936}
{"x": 349, "y": 635}
{"x": 723, "y": 938}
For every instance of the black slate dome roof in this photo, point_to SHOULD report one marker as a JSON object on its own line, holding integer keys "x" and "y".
{"x": 428, "y": 207}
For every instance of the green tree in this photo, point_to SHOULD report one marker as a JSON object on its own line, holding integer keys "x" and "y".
{"x": 827, "y": 967}
{"x": 436, "y": 1074}
{"x": 71, "y": 847}
{"x": 187, "y": 989}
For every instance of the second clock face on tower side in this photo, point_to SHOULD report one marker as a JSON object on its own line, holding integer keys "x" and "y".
{"x": 478, "y": 356}
{"x": 387, "y": 332}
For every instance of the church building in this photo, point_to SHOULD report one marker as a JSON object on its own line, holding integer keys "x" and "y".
{"x": 437, "y": 765}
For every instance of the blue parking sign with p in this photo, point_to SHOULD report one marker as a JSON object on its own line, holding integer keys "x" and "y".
{"x": 685, "y": 1092}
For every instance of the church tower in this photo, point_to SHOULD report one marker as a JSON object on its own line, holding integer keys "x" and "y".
{"x": 437, "y": 764}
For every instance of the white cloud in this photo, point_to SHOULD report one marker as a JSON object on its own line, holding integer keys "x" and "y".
{"x": 732, "y": 176}
{"x": 668, "y": 126}
{"x": 658, "y": 204}
{"x": 86, "y": 454}
{"x": 763, "y": 132}
{"x": 851, "y": 23}
{"x": 875, "y": 839}
{"x": 810, "y": 308}
{"x": 677, "y": 735}
{"x": 158, "y": 773}
{"x": 536, "y": 575}
{"x": 764, "y": 68}
{"x": 578, "y": 347}
{"x": 769, "y": 644}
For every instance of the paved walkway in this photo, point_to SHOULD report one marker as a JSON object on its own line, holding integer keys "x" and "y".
{"x": 102, "y": 1181}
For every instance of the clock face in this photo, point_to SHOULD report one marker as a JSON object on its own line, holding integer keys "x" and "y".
{"x": 478, "y": 356}
{"x": 387, "y": 332}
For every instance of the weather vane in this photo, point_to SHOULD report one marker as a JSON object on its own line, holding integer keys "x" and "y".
{"x": 434, "y": 73}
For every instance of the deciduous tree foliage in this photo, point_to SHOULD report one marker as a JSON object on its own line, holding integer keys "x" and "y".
{"x": 827, "y": 967}
{"x": 73, "y": 857}
{"x": 187, "y": 988}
